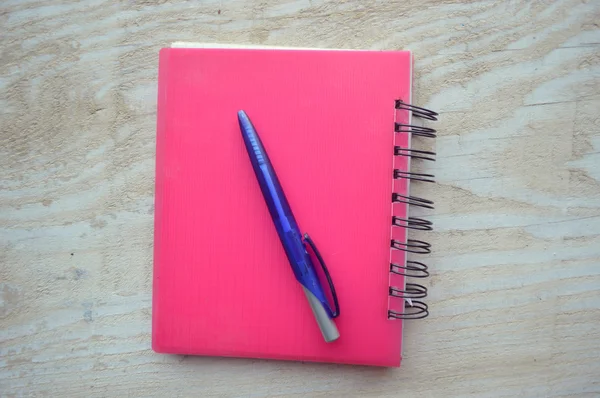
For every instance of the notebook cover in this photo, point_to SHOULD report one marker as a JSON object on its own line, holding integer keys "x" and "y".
{"x": 222, "y": 283}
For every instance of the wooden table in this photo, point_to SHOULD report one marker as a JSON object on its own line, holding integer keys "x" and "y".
{"x": 515, "y": 286}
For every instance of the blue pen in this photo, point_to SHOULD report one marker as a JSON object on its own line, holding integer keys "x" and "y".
{"x": 289, "y": 233}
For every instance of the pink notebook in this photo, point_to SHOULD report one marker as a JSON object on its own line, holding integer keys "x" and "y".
{"x": 328, "y": 120}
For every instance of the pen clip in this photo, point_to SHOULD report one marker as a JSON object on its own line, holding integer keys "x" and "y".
{"x": 336, "y": 313}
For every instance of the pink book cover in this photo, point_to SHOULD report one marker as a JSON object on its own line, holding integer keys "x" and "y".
{"x": 222, "y": 283}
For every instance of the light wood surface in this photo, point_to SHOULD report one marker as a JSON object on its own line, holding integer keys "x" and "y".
{"x": 515, "y": 286}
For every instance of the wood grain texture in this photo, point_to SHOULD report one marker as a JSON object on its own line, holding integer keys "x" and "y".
{"x": 515, "y": 286}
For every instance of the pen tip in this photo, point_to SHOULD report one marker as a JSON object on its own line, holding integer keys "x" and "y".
{"x": 244, "y": 121}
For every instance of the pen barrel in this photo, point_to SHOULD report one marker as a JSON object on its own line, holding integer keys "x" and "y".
{"x": 265, "y": 173}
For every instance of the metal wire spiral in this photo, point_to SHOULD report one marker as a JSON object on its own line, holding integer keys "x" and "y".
{"x": 413, "y": 309}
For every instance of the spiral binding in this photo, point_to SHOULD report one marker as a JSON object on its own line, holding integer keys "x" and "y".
{"x": 413, "y": 309}
{"x": 412, "y": 223}
{"x": 412, "y": 269}
{"x": 414, "y": 176}
{"x": 413, "y": 153}
{"x": 426, "y": 132}
{"x": 412, "y": 290}
{"x": 416, "y": 110}
{"x": 412, "y": 201}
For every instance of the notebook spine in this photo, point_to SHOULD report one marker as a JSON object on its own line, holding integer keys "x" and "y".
{"x": 412, "y": 293}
